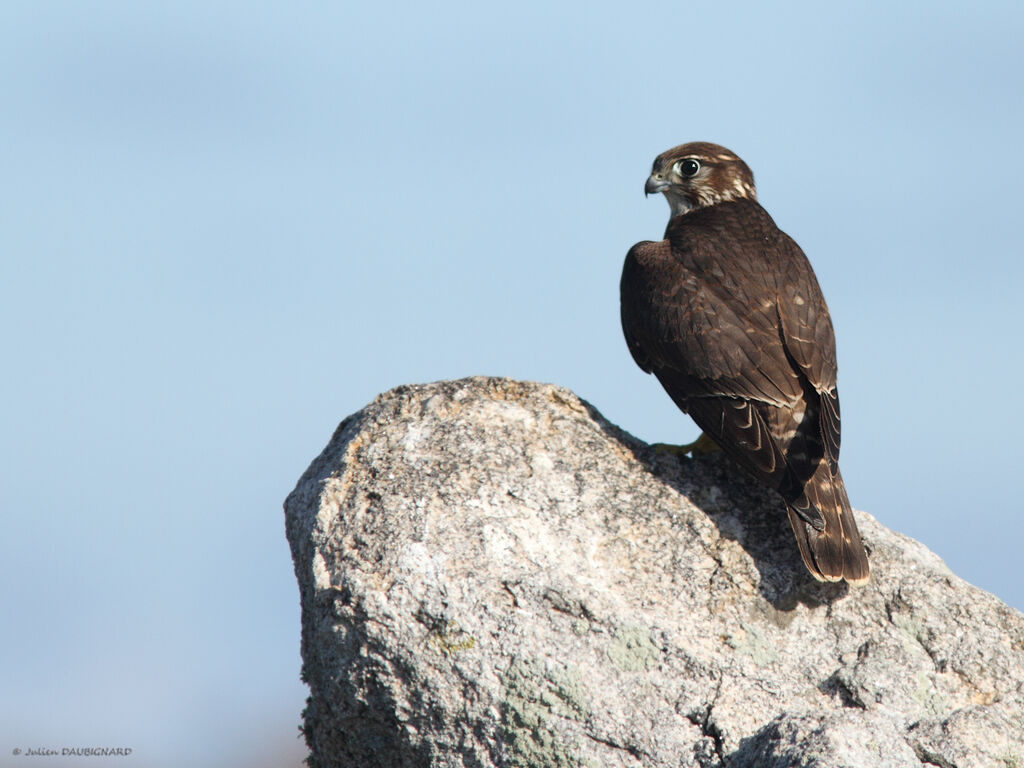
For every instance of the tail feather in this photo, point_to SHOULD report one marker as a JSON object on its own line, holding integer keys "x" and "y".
{"x": 835, "y": 552}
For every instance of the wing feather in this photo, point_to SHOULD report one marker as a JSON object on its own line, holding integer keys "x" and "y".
{"x": 809, "y": 337}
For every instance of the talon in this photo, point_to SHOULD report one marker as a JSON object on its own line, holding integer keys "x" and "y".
{"x": 702, "y": 445}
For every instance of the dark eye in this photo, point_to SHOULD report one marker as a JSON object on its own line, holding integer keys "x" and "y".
{"x": 688, "y": 167}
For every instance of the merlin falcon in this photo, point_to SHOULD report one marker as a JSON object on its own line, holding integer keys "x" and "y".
{"x": 726, "y": 312}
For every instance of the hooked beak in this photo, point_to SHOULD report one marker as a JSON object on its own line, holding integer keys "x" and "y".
{"x": 655, "y": 183}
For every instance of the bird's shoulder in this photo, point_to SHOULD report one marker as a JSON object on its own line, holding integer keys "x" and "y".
{"x": 649, "y": 253}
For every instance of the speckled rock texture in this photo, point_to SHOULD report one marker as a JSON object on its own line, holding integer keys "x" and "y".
{"x": 491, "y": 574}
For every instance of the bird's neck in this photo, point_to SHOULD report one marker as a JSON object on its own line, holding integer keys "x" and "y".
{"x": 678, "y": 204}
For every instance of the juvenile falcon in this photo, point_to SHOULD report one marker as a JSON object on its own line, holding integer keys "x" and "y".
{"x": 727, "y": 313}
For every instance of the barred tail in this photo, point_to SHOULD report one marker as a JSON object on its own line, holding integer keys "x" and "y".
{"x": 835, "y": 552}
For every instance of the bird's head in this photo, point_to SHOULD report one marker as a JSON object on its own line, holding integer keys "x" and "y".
{"x": 700, "y": 174}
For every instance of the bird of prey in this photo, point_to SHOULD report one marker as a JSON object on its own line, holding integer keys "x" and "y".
{"x": 726, "y": 312}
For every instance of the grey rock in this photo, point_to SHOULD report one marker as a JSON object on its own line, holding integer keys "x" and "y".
{"x": 491, "y": 574}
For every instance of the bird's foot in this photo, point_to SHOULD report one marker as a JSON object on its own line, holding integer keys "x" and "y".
{"x": 698, "y": 447}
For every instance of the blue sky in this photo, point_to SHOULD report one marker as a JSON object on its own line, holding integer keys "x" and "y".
{"x": 227, "y": 226}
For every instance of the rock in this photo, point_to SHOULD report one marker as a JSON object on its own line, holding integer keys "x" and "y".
{"x": 491, "y": 574}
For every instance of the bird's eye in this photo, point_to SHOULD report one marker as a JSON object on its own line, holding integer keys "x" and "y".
{"x": 687, "y": 167}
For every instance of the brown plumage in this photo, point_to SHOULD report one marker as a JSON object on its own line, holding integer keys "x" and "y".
{"x": 727, "y": 313}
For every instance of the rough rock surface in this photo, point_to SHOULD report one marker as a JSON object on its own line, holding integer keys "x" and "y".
{"x": 491, "y": 574}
